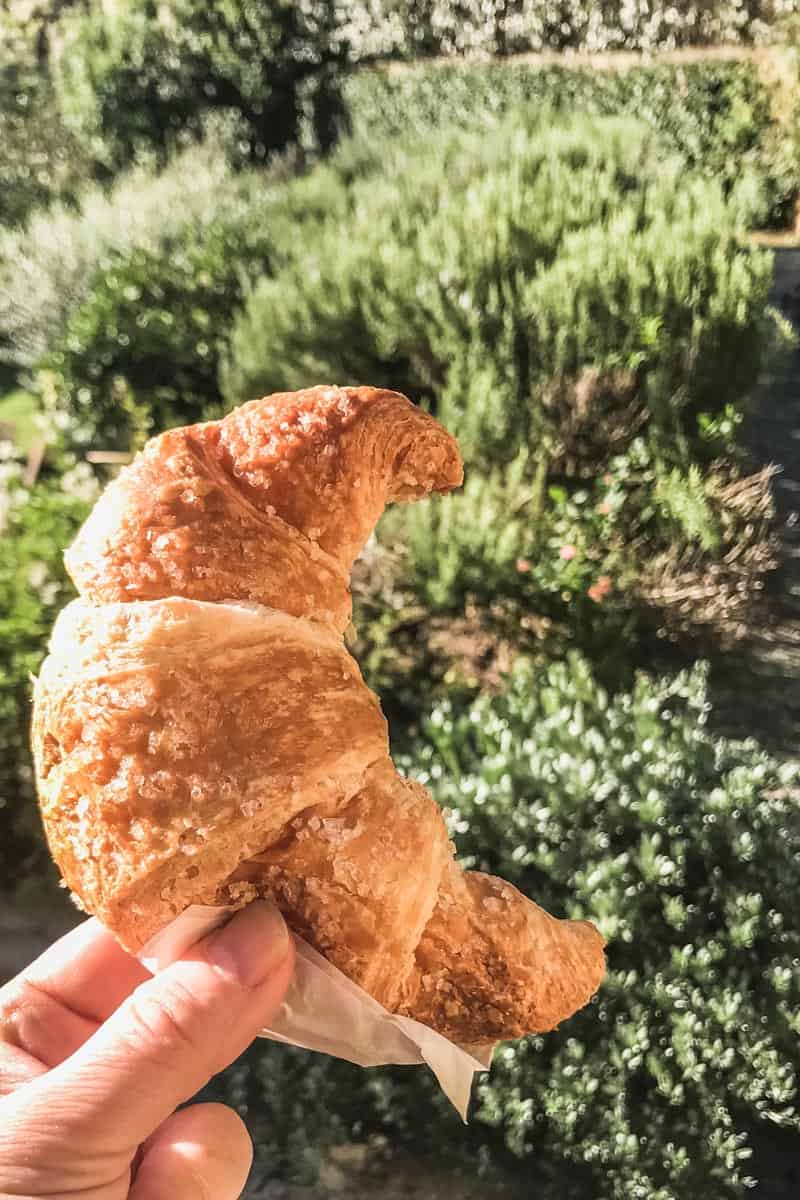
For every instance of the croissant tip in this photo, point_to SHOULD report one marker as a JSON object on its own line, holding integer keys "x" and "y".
{"x": 453, "y": 476}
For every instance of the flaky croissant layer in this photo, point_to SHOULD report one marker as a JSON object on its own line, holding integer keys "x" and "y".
{"x": 202, "y": 736}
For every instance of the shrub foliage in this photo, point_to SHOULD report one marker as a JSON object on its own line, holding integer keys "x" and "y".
{"x": 145, "y": 75}
{"x": 36, "y": 523}
{"x": 717, "y": 116}
{"x": 684, "y": 848}
{"x": 47, "y": 268}
{"x": 42, "y": 159}
{"x": 568, "y": 303}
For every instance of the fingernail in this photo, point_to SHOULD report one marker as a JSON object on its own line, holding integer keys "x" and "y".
{"x": 252, "y": 945}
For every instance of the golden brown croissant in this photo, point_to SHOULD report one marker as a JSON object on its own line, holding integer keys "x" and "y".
{"x": 202, "y": 736}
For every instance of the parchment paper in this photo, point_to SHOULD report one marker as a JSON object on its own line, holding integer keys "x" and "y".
{"x": 326, "y": 1011}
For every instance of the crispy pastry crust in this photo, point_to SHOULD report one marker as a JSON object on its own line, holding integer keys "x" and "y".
{"x": 202, "y": 736}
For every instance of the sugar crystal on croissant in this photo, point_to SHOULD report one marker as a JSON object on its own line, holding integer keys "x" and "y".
{"x": 202, "y": 735}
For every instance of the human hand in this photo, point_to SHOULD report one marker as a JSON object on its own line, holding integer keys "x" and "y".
{"x": 96, "y": 1055}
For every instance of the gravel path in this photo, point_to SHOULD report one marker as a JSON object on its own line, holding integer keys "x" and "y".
{"x": 756, "y": 689}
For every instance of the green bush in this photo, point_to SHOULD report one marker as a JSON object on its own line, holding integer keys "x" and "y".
{"x": 145, "y": 75}
{"x": 36, "y": 523}
{"x": 489, "y": 273}
{"x": 569, "y": 303}
{"x": 717, "y": 116}
{"x": 123, "y": 306}
{"x": 42, "y": 160}
{"x": 47, "y": 268}
{"x": 140, "y": 349}
{"x": 141, "y": 353}
{"x": 685, "y": 849}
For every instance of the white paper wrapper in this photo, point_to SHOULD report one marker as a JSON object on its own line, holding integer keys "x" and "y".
{"x": 326, "y": 1011}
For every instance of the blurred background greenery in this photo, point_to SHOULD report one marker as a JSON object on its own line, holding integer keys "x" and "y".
{"x": 548, "y": 221}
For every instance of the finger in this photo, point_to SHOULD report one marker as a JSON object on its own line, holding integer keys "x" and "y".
{"x": 56, "y": 1004}
{"x": 36, "y": 1032}
{"x": 173, "y": 1033}
{"x": 87, "y": 970}
{"x": 204, "y": 1150}
{"x": 17, "y": 1067}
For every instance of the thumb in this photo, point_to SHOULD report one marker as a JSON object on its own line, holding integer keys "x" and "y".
{"x": 173, "y": 1033}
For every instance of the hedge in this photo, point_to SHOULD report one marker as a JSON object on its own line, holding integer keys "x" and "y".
{"x": 717, "y": 116}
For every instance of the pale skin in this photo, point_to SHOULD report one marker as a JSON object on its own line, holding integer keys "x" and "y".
{"x": 96, "y": 1055}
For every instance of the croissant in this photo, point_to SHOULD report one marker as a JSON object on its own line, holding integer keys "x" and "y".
{"x": 202, "y": 736}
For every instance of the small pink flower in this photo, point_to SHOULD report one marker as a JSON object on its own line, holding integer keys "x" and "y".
{"x": 567, "y": 553}
{"x": 523, "y": 566}
{"x": 608, "y": 480}
{"x": 600, "y": 589}
{"x": 604, "y": 508}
